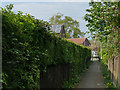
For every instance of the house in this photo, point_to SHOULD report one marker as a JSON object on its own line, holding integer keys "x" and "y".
{"x": 59, "y": 29}
{"x": 83, "y": 41}
{"x": 94, "y": 49}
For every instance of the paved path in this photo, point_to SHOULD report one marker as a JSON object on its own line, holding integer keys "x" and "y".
{"x": 92, "y": 78}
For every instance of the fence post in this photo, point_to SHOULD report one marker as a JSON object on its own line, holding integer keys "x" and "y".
{"x": 118, "y": 72}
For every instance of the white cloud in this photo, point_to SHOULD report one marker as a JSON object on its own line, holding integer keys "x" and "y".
{"x": 36, "y": 9}
{"x": 45, "y": 10}
{"x": 45, "y": 0}
{"x": 58, "y": 0}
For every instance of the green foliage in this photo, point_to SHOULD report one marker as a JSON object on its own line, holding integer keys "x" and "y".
{"x": 103, "y": 22}
{"x": 107, "y": 81}
{"x": 76, "y": 77}
{"x": 29, "y": 48}
{"x": 71, "y": 25}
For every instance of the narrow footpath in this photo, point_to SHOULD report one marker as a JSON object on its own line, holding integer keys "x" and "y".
{"x": 92, "y": 78}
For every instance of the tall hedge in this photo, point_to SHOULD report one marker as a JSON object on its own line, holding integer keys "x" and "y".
{"x": 29, "y": 47}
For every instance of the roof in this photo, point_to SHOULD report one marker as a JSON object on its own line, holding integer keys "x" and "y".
{"x": 77, "y": 40}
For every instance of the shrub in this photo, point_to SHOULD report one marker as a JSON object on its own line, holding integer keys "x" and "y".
{"x": 29, "y": 48}
{"x": 107, "y": 80}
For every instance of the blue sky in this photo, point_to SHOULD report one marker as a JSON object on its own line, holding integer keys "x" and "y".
{"x": 45, "y": 10}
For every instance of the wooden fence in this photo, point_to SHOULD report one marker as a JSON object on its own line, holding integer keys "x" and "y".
{"x": 114, "y": 67}
{"x": 55, "y": 76}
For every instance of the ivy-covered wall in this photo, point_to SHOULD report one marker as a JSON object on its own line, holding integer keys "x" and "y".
{"x": 28, "y": 48}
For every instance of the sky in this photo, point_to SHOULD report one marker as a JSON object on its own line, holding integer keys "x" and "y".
{"x": 47, "y": 0}
{"x": 45, "y": 10}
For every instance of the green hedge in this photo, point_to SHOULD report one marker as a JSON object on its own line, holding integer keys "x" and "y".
{"x": 29, "y": 47}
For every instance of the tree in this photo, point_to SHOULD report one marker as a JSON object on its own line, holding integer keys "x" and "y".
{"x": 71, "y": 25}
{"x": 103, "y": 24}
{"x": 21, "y": 39}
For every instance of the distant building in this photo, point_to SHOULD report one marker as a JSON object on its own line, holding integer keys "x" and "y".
{"x": 59, "y": 29}
{"x": 83, "y": 41}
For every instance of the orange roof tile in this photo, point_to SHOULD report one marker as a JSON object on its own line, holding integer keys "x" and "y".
{"x": 77, "y": 40}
